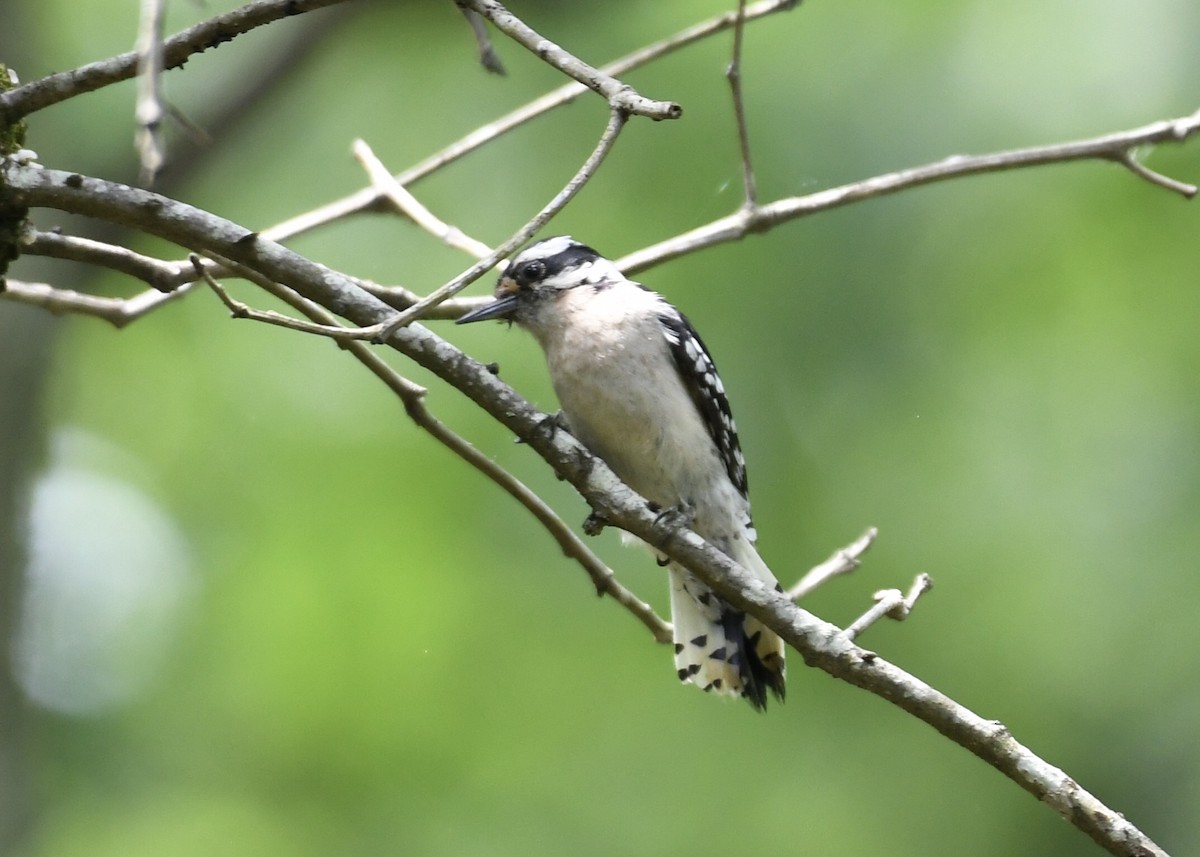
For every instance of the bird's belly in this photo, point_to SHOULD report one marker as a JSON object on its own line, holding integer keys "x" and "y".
{"x": 657, "y": 445}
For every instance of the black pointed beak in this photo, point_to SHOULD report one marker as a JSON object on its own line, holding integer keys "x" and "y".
{"x": 503, "y": 309}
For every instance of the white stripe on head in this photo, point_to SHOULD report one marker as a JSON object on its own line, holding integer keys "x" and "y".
{"x": 545, "y": 248}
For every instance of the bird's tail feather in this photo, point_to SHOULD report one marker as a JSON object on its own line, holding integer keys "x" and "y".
{"x": 719, "y": 648}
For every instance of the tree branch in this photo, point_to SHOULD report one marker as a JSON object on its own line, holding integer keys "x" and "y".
{"x": 408, "y": 205}
{"x": 821, "y": 644}
{"x": 41, "y": 93}
{"x": 1117, "y": 147}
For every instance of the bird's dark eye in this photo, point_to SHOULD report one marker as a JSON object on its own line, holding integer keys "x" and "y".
{"x": 530, "y": 272}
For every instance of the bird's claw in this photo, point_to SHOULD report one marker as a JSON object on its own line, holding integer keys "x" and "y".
{"x": 594, "y": 524}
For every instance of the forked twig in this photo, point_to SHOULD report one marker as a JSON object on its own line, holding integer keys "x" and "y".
{"x": 239, "y": 309}
{"x": 1128, "y": 159}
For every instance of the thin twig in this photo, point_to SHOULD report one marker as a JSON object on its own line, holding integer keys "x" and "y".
{"x": 734, "y": 74}
{"x": 843, "y": 561}
{"x": 762, "y": 218}
{"x": 620, "y": 96}
{"x": 120, "y": 312}
{"x": 116, "y": 311}
{"x": 413, "y": 397}
{"x": 368, "y": 198}
{"x": 411, "y": 207}
{"x": 238, "y": 309}
{"x": 169, "y": 279}
{"x": 149, "y": 112}
{"x": 1129, "y": 159}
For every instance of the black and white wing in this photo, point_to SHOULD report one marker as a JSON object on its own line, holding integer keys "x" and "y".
{"x": 699, "y": 375}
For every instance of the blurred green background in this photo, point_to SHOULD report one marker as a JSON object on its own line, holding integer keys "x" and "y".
{"x": 250, "y": 609}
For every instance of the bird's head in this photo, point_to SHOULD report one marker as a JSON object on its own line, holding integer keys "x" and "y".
{"x": 539, "y": 273}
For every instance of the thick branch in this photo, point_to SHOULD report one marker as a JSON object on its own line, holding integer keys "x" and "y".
{"x": 820, "y": 644}
{"x": 176, "y": 50}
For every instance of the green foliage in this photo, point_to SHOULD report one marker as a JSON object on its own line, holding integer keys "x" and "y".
{"x": 382, "y": 654}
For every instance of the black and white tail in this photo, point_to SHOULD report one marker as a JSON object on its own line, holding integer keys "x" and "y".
{"x": 718, "y": 647}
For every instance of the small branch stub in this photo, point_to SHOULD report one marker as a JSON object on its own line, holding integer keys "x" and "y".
{"x": 890, "y": 603}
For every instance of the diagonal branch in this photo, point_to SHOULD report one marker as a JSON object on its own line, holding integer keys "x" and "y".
{"x": 411, "y": 207}
{"x": 821, "y": 644}
{"x": 843, "y": 561}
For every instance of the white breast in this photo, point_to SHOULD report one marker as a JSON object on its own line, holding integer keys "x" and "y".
{"x": 622, "y": 396}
